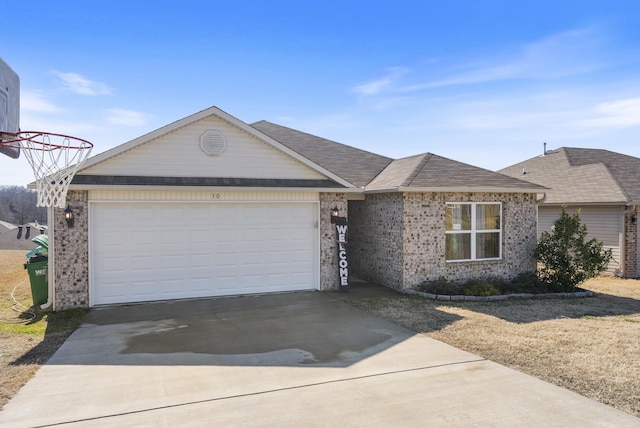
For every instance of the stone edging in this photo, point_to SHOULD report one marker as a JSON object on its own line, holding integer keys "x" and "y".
{"x": 577, "y": 294}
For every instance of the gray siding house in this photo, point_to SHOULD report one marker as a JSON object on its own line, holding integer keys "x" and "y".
{"x": 603, "y": 185}
{"x": 212, "y": 206}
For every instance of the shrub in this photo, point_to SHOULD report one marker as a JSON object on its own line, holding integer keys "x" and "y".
{"x": 528, "y": 282}
{"x": 481, "y": 288}
{"x": 565, "y": 259}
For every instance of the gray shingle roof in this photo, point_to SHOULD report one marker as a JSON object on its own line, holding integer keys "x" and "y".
{"x": 356, "y": 166}
{"x": 376, "y": 172}
{"x": 578, "y": 175}
{"x": 429, "y": 171}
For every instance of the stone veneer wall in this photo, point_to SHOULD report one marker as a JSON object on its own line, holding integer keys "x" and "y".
{"x": 329, "y": 274}
{"x": 424, "y": 237}
{"x": 72, "y": 254}
{"x": 631, "y": 245}
{"x": 375, "y": 239}
{"x": 398, "y": 240}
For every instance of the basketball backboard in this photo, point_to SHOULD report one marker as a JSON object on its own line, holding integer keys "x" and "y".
{"x": 9, "y": 106}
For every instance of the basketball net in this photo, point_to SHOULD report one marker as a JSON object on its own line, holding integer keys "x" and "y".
{"x": 55, "y": 159}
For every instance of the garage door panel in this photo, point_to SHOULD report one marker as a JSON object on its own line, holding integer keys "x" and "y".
{"x": 173, "y": 287}
{"x": 166, "y": 250}
{"x": 141, "y": 289}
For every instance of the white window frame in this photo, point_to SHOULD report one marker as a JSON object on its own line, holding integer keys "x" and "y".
{"x": 474, "y": 231}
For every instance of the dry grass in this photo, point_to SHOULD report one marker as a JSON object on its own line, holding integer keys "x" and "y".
{"x": 25, "y": 344}
{"x": 589, "y": 345}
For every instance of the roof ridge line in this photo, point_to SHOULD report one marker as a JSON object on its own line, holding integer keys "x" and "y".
{"x": 600, "y": 162}
{"x": 615, "y": 178}
{"x": 317, "y": 136}
{"x": 417, "y": 169}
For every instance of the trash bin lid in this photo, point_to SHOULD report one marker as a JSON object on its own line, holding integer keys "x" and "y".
{"x": 42, "y": 240}
{"x": 39, "y": 251}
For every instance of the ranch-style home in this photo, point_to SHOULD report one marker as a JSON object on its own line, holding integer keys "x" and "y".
{"x": 212, "y": 206}
{"x": 603, "y": 185}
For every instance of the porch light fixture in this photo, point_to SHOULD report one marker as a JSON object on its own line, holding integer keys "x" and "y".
{"x": 68, "y": 216}
{"x": 334, "y": 214}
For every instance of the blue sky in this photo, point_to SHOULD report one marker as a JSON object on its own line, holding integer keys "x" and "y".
{"x": 481, "y": 82}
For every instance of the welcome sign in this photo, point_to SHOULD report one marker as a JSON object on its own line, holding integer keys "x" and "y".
{"x": 343, "y": 262}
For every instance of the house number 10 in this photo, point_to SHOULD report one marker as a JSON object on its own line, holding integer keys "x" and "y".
{"x": 215, "y": 196}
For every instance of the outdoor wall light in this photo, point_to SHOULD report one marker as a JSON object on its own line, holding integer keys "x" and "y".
{"x": 68, "y": 216}
{"x": 334, "y": 214}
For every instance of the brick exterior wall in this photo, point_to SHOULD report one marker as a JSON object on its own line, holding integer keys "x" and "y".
{"x": 400, "y": 238}
{"x": 394, "y": 239}
{"x": 375, "y": 239}
{"x": 329, "y": 271}
{"x": 631, "y": 245}
{"x": 72, "y": 254}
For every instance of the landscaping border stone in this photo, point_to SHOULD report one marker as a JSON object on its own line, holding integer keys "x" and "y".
{"x": 577, "y": 294}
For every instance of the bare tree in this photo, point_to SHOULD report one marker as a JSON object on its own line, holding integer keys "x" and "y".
{"x": 18, "y": 206}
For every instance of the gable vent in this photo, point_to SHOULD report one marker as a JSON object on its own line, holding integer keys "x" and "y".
{"x": 212, "y": 142}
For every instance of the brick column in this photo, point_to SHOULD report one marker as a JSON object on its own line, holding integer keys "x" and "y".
{"x": 72, "y": 254}
{"x": 631, "y": 245}
{"x": 329, "y": 275}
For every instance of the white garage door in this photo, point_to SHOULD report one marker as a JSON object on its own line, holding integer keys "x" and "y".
{"x": 159, "y": 251}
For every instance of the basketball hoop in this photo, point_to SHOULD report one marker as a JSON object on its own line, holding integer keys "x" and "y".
{"x": 54, "y": 158}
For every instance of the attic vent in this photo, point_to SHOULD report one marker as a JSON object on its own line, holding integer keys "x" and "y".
{"x": 212, "y": 142}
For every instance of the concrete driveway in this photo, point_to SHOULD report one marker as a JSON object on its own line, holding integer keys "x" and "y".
{"x": 299, "y": 359}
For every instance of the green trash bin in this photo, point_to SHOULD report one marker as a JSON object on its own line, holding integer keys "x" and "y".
{"x": 37, "y": 266}
{"x": 38, "y": 276}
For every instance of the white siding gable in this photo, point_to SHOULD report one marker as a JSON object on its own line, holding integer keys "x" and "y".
{"x": 179, "y": 154}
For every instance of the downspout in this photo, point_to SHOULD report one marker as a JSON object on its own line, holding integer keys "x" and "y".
{"x": 622, "y": 242}
{"x": 51, "y": 275}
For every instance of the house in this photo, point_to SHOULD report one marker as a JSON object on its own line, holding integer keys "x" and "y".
{"x": 18, "y": 237}
{"x": 603, "y": 185}
{"x": 212, "y": 206}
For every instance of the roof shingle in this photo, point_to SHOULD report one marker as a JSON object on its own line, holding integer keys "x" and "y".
{"x": 577, "y": 175}
{"x": 356, "y": 166}
{"x": 429, "y": 171}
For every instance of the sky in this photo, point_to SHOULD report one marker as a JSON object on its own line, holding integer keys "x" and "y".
{"x": 483, "y": 82}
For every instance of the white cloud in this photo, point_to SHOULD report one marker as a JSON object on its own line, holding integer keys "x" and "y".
{"x": 564, "y": 54}
{"x": 620, "y": 113}
{"x": 37, "y": 102}
{"x": 377, "y": 86}
{"x": 118, "y": 116}
{"x": 79, "y": 84}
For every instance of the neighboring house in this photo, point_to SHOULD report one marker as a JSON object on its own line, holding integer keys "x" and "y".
{"x": 14, "y": 237}
{"x": 212, "y": 206}
{"x": 603, "y": 185}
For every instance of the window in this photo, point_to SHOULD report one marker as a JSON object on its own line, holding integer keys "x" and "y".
{"x": 473, "y": 231}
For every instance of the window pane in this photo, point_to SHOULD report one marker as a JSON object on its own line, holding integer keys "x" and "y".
{"x": 488, "y": 245}
{"x": 458, "y": 246}
{"x": 487, "y": 216}
{"x": 458, "y": 217}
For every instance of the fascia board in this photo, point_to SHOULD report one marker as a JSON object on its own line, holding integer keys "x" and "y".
{"x": 455, "y": 190}
{"x": 217, "y": 188}
{"x": 585, "y": 204}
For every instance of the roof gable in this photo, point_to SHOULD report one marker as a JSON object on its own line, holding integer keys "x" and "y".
{"x": 429, "y": 172}
{"x": 208, "y": 144}
{"x": 577, "y": 175}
